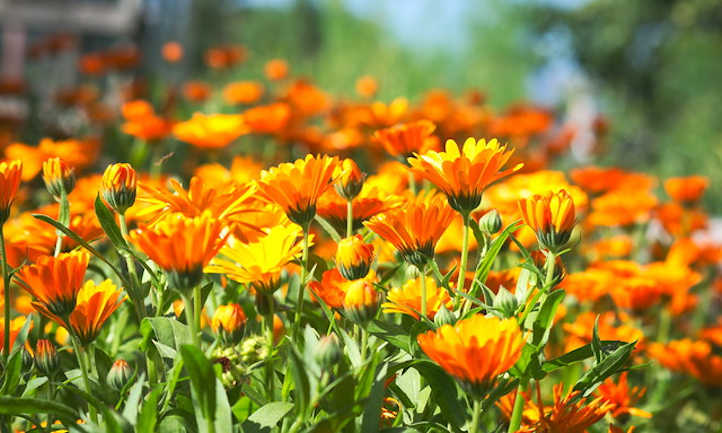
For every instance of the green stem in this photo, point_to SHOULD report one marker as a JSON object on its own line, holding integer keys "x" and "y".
{"x": 476, "y": 414}
{"x": 58, "y": 244}
{"x": 364, "y": 343}
{"x": 515, "y": 420}
{"x": 197, "y": 311}
{"x": 190, "y": 319}
{"x": 301, "y": 284}
{"x": 548, "y": 281}
{"x": 135, "y": 291}
{"x": 412, "y": 182}
{"x": 464, "y": 258}
{"x": 423, "y": 291}
{"x": 6, "y": 289}
{"x": 270, "y": 343}
{"x": 349, "y": 218}
{"x": 84, "y": 373}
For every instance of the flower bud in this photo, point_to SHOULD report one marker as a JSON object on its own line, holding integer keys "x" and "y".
{"x": 328, "y": 351}
{"x": 551, "y": 217}
{"x": 490, "y": 222}
{"x": 505, "y": 303}
{"x": 10, "y": 173}
{"x": 361, "y": 302}
{"x": 444, "y": 317}
{"x": 229, "y": 322}
{"x": 349, "y": 179}
{"x": 28, "y": 360}
{"x": 354, "y": 257}
{"x": 59, "y": 177}
{"x": 46, "y": 357}
{"x": 119, "y": 186}
{"x": 254, "y": 349}
{"x": 119, "y": 375}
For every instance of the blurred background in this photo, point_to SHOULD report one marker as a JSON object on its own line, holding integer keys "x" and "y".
{"x": 647, "y": 70}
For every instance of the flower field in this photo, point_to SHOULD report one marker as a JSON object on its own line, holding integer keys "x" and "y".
{"x": 217, "y": 255}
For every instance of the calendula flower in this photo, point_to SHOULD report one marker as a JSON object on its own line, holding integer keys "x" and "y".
{"x": 181, "y": 246}
{"x": 407, "y": 299}
{"x": 415, "y": 228}
{"x": 686, "y": 189}
{"x": 405, "y": 139}
{"x": 55, "y": 283}
{"x": 228, "y": 322}
{"x": 463, "y": 174}
{"x": 695, "y": 358}
{"x": 16, "y": 325}
{"x": 367, "y": 86}
{"x": 196, "y": 91}
{"x": 276, "y": 69}
{"x": 623, "y": 397}
{"x": 354, "y": 257}
{"x": 119, "y": 375}
{"x": 243, "y": 92}
{"x": 213, "y": 131}
{"x": 119, "y": 186}
{"x": 268, "y": 119}
{"x": 10, "y": 175}
{"x": 59, "y": 177}
{"x": 46, "y": 357}
{"x": 361, "y": 301}
{"x": 331, "y": 289}
{"x": 172, "y": 52}
{"x": 296, "y": 186}
{"x": 349, "y": 179}
{"x": 476, "y": 350}
{"x": 551, "y": 217}
{"x": 260, "y": 263}
{"x": 96, "y": 302}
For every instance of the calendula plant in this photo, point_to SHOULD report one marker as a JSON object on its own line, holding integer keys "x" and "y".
{"x": 309, "y": 265}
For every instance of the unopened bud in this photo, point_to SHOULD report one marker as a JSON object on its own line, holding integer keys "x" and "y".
{"x": 119, "y": 375}
{"x": 490, "y": 222}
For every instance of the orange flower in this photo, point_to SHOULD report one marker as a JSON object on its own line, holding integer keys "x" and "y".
{"x": 579, "y": 332}
{"x": 415, "y": 228}
{"x": 405, "y": 139}
{"x": 212, "y": 131}
{"x": 367, "y": 86}
{"x": 551, "y": 217}
{"x": 268, "y": 119}
{"x": 172, "y": 51}
{"x": 569, "y": 414}
{"x": 243, "y": 92}
{"x": 16, "y": 325}
{"x": 622, "y": 207}
{"x": 407, "y": 299}
{"x": 143, "y": 123}
{"x": 296, "y": 186}
{"x": 276, "y": 69}
{"x": 260, "y": 263}
{"x": 349, "y": 179}
{"x": 96, "y": 302}
{"x": 181, "y": 246}
{"x": 331, "y": 289}
{"x": 695, "y": 358}
{"x": 196, "y": 91}
{"x": 476, "y": 350}
{"x": 59, "y": 177}
{"x": 622, "y": 397}
{"x": 602, "y": 179}
{"x": 686, "y": 189}
{"x": 382, "y": 115}
{"x": 463, "y": 174}
{"x": 229, "y": 322}
{"x": 354, "y": 257}
{"x": 361, "y": 301}
{"x": 55, "y": 283}
{"x": 119, "y": 186}
{"x": 10, "y": 173}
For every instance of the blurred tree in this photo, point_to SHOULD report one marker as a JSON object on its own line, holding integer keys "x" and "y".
{"x": 656, "y": 64}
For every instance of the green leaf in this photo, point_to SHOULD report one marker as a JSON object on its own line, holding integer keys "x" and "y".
{"x": 610, "y": 365}
{"x": 372, "y": 407}
{"x": 328, "y": 228}
{"x": 132, "y": 404}
{"x": 486, "y": 263}
{"x": 34, "y": 406}
{"x": 34, "y": 384}
{"x": 445, "y": 392}
{"x": 265, "y": 418}
{"x": 203, "y": 382}
{"x": 596, "y": 343}
{"x": 12, "y": 373}
{"x": 243, "y": 408}
{"x": 106, "y": 217}
{"x": 148, "y": 416}
{"x": 302, "y": 387}
{"x": 545, "y": 318}
{"x": 394, "y": 334}
{"x": 580, "y": 354}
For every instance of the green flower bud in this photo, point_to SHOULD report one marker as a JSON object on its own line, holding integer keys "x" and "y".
{"x": 490, "y": 222}
{"x": 119, "y": 375}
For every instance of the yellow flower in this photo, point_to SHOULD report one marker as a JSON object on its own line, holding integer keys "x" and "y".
{"x": 361, "y": 301}
{"x": 96, "y": 302}
{"x": 58, "y": 176}
{"x": 476, "y": 350}
{"x": 405, "y": 139}
{"x": 407, "y": 299}
{"x": 349, "y": 179}
{"x": 354, "y": 257}
{"x": 211, "y": 131}
{"x": 229, "y": 321}
{"x": 463, "y": 174}
{"x": 119, "y": 186}
{"x": 259, "y": 263}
